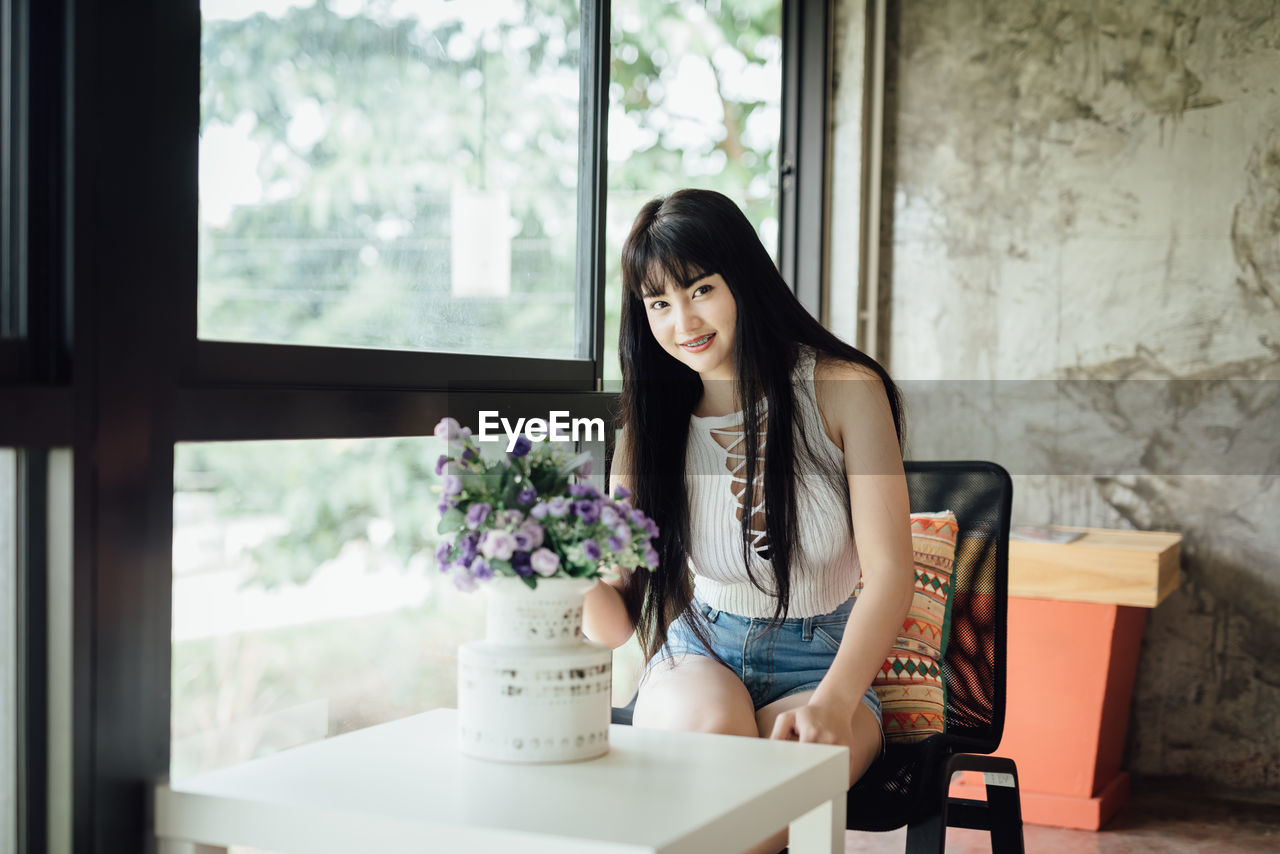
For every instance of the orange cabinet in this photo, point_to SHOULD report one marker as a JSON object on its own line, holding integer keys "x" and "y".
{"x": 1076, "y": 615}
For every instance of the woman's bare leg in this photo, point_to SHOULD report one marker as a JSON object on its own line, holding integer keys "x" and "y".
{"x": 694, "y": 693}
{"x": 865, "y": 749}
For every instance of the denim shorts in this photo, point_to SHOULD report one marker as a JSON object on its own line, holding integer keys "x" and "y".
{"x": 773, "y": 664}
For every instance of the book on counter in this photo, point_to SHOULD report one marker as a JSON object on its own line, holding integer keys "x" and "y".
{"x": 1043, "y": 534}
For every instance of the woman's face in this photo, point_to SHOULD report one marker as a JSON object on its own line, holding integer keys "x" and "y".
{"x": 695, "y": 324}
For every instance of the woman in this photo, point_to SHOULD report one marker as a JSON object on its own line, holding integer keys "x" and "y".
{"x": 728, "y": 381}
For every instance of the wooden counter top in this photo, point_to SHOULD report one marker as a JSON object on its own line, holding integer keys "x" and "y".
{"x": 1114, "y": 567}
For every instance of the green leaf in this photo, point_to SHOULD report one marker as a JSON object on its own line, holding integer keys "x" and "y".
{"x": 453, "y": 520}
{"x": 531, "y": 581}
{"x": 502, "y": 567}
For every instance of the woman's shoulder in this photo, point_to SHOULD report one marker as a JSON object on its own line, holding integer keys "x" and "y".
{"x": 832, "y": 367}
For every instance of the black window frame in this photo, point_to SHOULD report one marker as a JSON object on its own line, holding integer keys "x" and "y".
{"x": 101, "y": 245}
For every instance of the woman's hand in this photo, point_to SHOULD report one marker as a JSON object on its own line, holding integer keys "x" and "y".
{"x": 824, "y": 723}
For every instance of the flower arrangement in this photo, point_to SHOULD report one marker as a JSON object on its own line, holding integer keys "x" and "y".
{"x": 528, "y": 515}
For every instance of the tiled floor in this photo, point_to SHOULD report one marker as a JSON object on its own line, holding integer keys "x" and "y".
{"x": 1165, "y": 817}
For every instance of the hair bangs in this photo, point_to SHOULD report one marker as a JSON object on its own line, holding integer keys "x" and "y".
{"x": 655, "y": 254}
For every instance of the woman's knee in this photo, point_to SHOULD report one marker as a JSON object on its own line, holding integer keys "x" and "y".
{"x": 696, "y": 696}
{"x": 708, "y": 718}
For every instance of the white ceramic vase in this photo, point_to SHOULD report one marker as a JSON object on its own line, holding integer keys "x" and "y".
{"x": 535, "y": 689}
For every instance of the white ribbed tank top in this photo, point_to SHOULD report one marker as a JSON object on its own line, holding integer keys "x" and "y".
{"x": 825, "y": 570}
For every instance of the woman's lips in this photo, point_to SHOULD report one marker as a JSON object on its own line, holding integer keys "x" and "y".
{"x": 699, "y": 344}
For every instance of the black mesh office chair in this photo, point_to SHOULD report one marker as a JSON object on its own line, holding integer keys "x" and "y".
{"x": 909, "y": 784}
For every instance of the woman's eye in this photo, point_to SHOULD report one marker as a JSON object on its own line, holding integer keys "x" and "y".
{"x": 657, "y": 304}
{"x": 701, "y": 289}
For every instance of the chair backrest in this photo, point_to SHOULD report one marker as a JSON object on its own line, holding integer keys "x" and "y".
{"x": 973, "y": 669}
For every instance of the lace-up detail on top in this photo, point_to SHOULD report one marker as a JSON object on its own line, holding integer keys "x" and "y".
{"x": 733, "y": 440}
{"x": 824, "y": 566}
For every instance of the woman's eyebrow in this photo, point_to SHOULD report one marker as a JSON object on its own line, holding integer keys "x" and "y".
{"x": 695, "y": 279}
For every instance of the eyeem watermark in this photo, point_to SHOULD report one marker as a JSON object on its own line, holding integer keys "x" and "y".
{"x": 556, "y": 427}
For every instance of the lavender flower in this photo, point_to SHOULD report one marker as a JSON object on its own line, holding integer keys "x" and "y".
{"x": 622, "y": 531}
{"x": 587, "y": 511}
{"x": 616, "y": 543}
{"x": 583, "y": 490}
{"x": 544, "y": 562}
{"x": 464, "y": 581}
{"x": 558, "y": 506}
{"x": 540, "y": 510}
{"x": 529, "y": 536}
{"x": 592, "y": 550}
{"x": 481, "y": 570}
{"x": 527, "y": 495}
{"x": 477, "y": 514}
{"x": 620, "y": 492}
{"x": 443, "y": 550}
{"x": 608, "y": 516}
{"x": 521, "y": 447}
{"x": 452, "y": 485}
{"x": 468, "y": 454}
{"x": 497, "y": 545}
{"x": 467, "y": 548}
{"x": 447, "y": 429}
{"x": 510, "y": 518}
{"x": 651, "y": 527}
{"x": 441, "y": 462}
{"x": 521, "y": 564}
{"x": 650, "y": 557}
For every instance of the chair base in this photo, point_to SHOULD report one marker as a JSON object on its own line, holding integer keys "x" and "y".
{"x": 1000, "y": 814}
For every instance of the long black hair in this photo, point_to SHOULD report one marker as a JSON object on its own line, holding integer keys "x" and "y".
{"x": 687, "y": 235}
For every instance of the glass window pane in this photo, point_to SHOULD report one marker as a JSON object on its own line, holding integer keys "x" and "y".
{"x": 8, "y": 651}
{"x": 305, "y": 598}
{"x": 390, "y": 173}
{"x": 695, "y": 100}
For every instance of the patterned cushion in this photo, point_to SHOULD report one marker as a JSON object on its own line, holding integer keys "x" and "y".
{"x": 910, "y": 681}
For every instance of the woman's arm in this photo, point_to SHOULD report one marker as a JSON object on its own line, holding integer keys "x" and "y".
{"x": 604, "y": 614}
{"x": 856, "y": 414}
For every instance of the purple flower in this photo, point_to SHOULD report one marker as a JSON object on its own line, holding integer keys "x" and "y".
{"x": 651, "y": 557}
{"x": 481, "y": 570}
{"x": 477, "y": 514}
{"x": 452, "y": 485}
{"x": 521, "y": 564}
{"x": 529, "y": 536}
{"x": 592, "y": 550}
{"x": 616, "y": 543}
{"x": 583, "y": 490}
{"x": 443, "y": 550}
{"x": 620, "y": 492}
{"x": 587, "y": 467}
{"x": 441, "y": 463}
{"x": 638, "y": 517}
{"x": 558, "y": 506}
{"x": 467, "y": 548}
{"x": 468, "y": 454}
{"x": 444, "y": 506}
{"x": 540, "y": 510}
{"x": 464, "y": 581}
{"x": 587, "y": 511}
{"x": 527, "y": 495}
{"x": 521, "y": 447}
{"x": 622, "y": 532}
{"x": 544, "y": 562}
{"x": 651, "y": 527}
{"x": 497, "y": 545}
{"x": 608, "y": 516}
{"x": 510, "y": 518}
{"x": 447, "y": 429}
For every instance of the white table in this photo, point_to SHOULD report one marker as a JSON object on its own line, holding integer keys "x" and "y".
{"x": 403, "y": 787}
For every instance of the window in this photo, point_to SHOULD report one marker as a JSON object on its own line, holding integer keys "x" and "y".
{"x": 695, "y": 100}
{"x": 392, "y": 175}
{"x": 305, "y": 603}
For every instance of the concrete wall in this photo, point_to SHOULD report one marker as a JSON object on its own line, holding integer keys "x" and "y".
{"x": 1091, "y": 192}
